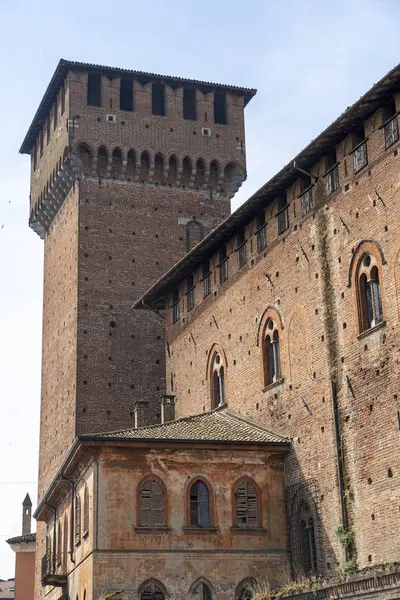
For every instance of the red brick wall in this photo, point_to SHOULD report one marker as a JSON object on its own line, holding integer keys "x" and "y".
{"x": 309, "y": 268}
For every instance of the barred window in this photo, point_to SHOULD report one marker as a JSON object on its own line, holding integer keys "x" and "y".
{"x": 199, "y": 505}
{"x": 86, "y": 511}
{"x": 206, "y": 278}
{"x": 306, "y": 199}
{"x": 390, "y": 123}
{"x": 282, "y": 214}
{"x": 190, "y": 287}
{"x": 331, "y": 172}
{"x": 241, "y": 247}
{"x": 246, "y": 502}
{"x": 202, "y": 592}
{"x": 223, "y": 264}
{"x": 359, "y": 151}
{"x": 151, "y": 504}
{"x": 176, "y": 306}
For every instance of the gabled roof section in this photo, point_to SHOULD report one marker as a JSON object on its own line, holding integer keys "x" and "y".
{"x": 65, "y": 65}
{"x": 352, "y": 117}
{"x": 218, "y": 426}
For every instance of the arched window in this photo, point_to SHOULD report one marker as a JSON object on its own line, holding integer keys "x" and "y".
{"x": 246, "y": 505}
{"x": 369, "y": 293}
{"x": 172, "y": 170}
{"x": 102, "y": 158}
{"x": 245, "y": 590}
{"x": 158, "y": 168}
{"x": 153, "y": 590}
{"x": 59, "y": 544}
{"x": 218, "y": 382}
{"x": 144, "y": 166}
{"x": 186, "y": 170}
{"x": 202, "y": 591}
{"x": 151, "y": 504}
{"x": 199, "y": 505}
{"x": 86, "y": 157}
{"x": 65, "y": 545}
{"x": 271, "y": 354}
{"x": 131, "y": 164}
{"x": 214, "y": 174}
{"x": 86, "y": 511}
{"x": 77, "y": 519}
{"x": 200, "y": 170}
{"x": 308, "y": 549}
{"x": 194, "y": 234}
{"x": 116, "y": 163}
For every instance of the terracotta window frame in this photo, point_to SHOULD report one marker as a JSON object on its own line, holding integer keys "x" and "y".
{"x": 216, "y": 376}
{"x": 235, "y": 525}
{"x": 270, "y": 316}
{"x": 211, "y": 502}
{"x": 140, "y": 526}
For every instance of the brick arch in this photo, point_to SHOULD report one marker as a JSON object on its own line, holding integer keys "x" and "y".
{"x": 215, "y": 348}
{"x": 374, "y": 249}
{"x": 149, "y": 582}
{"x": 173, "y": 168}
{"x": 365, "y": 246}
{"x": 394, "y": 274}
{"x": 296, "y": 339}
{"x": 81, "y": 142}
{"x": 270, "y": 312}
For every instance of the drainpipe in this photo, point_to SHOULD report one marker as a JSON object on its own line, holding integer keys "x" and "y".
{"x": 54, "y": 534}
{"x": 71, "y": 545}
{"x": 339, "y": 456}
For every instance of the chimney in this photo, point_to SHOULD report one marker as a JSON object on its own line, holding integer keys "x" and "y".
{"x": 26, "y": 515}
{"x": 167, "y": 408}
{"x": 140, "y": 409}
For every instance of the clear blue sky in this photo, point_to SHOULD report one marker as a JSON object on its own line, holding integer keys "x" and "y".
{"x": 308, "y": 59}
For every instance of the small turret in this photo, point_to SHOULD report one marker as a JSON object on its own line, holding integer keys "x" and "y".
{"x": 26, "y": 515}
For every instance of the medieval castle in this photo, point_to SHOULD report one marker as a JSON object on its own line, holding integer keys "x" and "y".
{"x": 219, "y": 407}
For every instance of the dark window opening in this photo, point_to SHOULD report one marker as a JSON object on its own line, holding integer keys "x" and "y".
{"x": 144, "y": 166}
{"x": 199, "y": 505}
{"x": 55, "y": 114}
{"x": 172, "y": 170}
{"x": 359, "y": 144}
{"x": 126, "y": 94}
{"x": 94, "y": 90}
{"x": 190, "y": 287}
{"x": 358, "y": 136}
{"x": 389, "y": 110}
{"x": 189, "y": 104}
{"x": 202, "y": 592}
{"x": 391, "y": 124}
{"x": 158, "y": 168}
{"x": 282, "y": 214}
{"x": 220, "y": 108}
{"x": 62, "y": 100}
{"x": 307, "y": 541}
{"x": 306, "y": 199}
{"x": 261, "y": 232}
{"x": 102, "y": 160}
{"x": 131, "y": 164}
{"x": 158, "y": 99}
{"x": 214, "y": 174}
{"x": 241, "y": 247}
{"x": 116, "y": 163}
{"x": 200, "y": 172}
{"x": 206, "y": 278}
{"x": 223, "y": 264}
{"x": 152, "y": 591}
{"x": 186, "y": 170}
{"x": 86, "y": 158}
{"x": 48, "y": 130}
{"x": 271, "y": 354}
{"x": 331, "y": 172}
{"x": 176, "y": 306}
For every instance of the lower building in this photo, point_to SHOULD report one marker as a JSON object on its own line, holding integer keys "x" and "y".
{"x": 24, "y": 546}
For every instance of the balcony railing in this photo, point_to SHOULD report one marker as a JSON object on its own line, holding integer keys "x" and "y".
{"x": 207, "y": 285}
{"x": 391, "y": 129}
{"x": 223, "y": 270}
{"x": 360, "y": 157}
{"x": 176, "y": 311}
{"x": 262, "y": 238}
{"x": 53, "y": 574}
{"x": 332, "y": 179}
{"x": 242, "y": 256}
{"x": 306, "y": 201}
{"x": 190, "y": 299}
{"x": 283, "y": 219}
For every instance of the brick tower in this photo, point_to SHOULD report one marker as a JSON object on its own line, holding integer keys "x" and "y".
{"x": 128, "y": 171}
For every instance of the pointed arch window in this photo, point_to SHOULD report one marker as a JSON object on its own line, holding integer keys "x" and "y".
{"x": 308, "y": 548}
{"x": 202, "y": 592}
{"x": 271, "y": 354}
{"x": 186, "y": 170}
{"x": 151, "y": 504}
{"x": 152, "y": 591}
{"x": 116, "y": 163}
{"x": 199, "y": 505}
{"x": 245, "y": 590}
{"x": 144, "y": 166}
{"x": 246, "y": 505}
{"x": 369, "y": 293}
{"x": 200, "y": 171}
{"x": 172, "y": 170}
{"x": 131, "y": 164}
{"x": 214, "y": 174}
{"x": 86, "y": 158}
{"x": 86, "y": 511}
{"x": 159, "y": 168}
{"x": 218, "y": 381}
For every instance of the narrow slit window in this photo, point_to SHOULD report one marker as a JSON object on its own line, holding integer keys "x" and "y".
{"x": 94, "y": 89}
{"x": 126, "y": 94}
{"x": 220, "y": 108}
{"x": 206, "y": 278}
{"x": 189, "y": 104}
{"x": 55, "y": 115}
{"x": 158, "y": 99}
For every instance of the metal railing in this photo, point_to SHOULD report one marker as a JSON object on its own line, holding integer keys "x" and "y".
{"x": 391, "y": 131}
{"x": 360, "y": 157}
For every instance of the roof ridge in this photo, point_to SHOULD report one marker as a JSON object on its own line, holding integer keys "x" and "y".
{"x": 254, "y": 424}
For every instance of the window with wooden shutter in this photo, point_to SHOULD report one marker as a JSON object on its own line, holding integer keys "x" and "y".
{"x": 152, "y": 512}
{"x": 86, "y": 511}
{"x": 199, "y": 505}
{"x": 246, "y": 498}
{"x": 77, "y": 519}
{"x": 152, "y": 591}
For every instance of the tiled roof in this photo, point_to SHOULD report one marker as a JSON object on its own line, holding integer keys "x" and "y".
{"x": 65, "y": 65}
{"x": 220, "y": 425}
{"x": 29, "y": 537}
